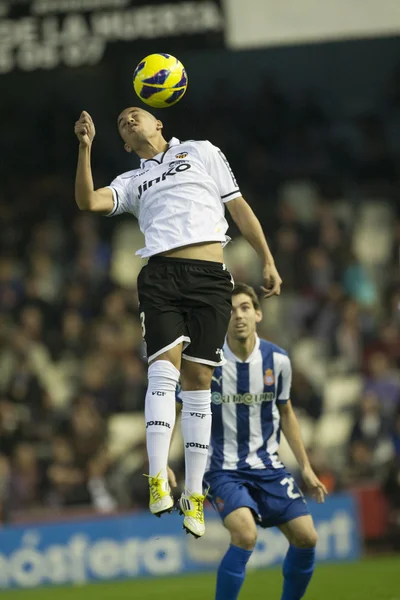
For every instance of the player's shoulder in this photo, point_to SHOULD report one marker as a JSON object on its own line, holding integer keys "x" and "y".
{"x": 268, "y": 348}
{"x": 128, "y": 176}
{"x": 203, "y": 146}
{"x": 131, "y": 174}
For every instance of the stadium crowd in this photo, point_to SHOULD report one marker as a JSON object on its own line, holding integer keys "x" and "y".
{"x": 72, "y": 369}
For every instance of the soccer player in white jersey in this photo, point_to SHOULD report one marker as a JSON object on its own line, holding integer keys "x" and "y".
{"x": 178, "y": 195}
{"x": 248, "y": 484}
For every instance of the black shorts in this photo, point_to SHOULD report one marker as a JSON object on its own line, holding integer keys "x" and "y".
{"x": 187, "y": 301}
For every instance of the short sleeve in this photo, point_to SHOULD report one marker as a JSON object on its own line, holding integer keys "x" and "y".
{"x": 123, "y": 203}
{"x": 284, "y": 370}
{"x": 220, "y": 170}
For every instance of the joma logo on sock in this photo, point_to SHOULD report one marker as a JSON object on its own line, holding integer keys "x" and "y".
{"x": 198, "y": 415}
{"x": 158, "y": 393}
{"x": 194, "y": 445}
{"x": 163, "y": 423}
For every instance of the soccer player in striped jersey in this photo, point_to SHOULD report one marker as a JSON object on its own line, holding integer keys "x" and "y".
{"x": 248, "y": 485}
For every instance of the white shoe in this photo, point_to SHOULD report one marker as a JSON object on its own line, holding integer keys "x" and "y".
{"x": 161, "y": 500}
{"x": 192, "y": 507}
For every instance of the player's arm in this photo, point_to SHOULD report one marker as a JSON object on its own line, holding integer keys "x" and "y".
{"x": 251, "y": 230}
{"x": 248, "y": 224}
{"x": 86, "y": 197}
{"x": 291, "y": 429}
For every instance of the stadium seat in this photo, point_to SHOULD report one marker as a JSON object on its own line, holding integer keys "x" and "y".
{"x": 125, "y": 265}
{"x": 373, "y": 234}
{"x": 342, "y": 392}
{"x": 307, "y": 356}
{"x": 333, "y": 431}
{"x": 124, "y": 431}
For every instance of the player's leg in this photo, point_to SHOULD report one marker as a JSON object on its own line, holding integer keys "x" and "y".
{"x": 163, "y": 329}
{"x": 195, "y": 421}
{"x": 231, "y": 494}
{"x": 208, "y": 301}
{"x": 298, "y": 566}
{"x": 196, "y": 431}
{"x": 232, "y": 569}
{"x": 286, "y": 508}
{"x": 160, "y": 411}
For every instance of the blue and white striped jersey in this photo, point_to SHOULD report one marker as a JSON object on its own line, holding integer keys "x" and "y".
{"x": 244, "y": 396}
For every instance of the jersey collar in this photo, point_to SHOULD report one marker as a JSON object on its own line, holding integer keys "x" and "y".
{"x": 159, "y": 157}
{"x": 229, "y": 355}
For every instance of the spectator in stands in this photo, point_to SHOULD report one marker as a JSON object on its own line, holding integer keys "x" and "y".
{"x": 86, "y": 429}
{"x": 372, "y": 429}
{"x": 396, "y": 434}
{"x": 384, "y": 382}
{"x": 66, "y": 480}
{"x": 387, "y": 342}
{"x": 391, "y": 489}
{"x": 4, "y": 489}
{"x": 132, "y": 385}
{"x": 370, "y": 425}
{"x": 360, "y": 467}
{"x": 288, "y": 258}
{"x": 25, "y": 477}
{"x": 304, "y": 397}
{"x": 10, "y": 427}
{"x": 348, "y": 339}
{"x": 99, "y": 467}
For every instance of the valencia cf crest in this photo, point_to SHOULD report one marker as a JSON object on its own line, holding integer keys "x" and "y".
{"x": 181, "y": 155}
{"x": 269, "y": 377}
{"x": 220, "y": 504}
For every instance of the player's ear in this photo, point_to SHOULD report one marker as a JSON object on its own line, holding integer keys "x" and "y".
{"x": 159, "y": 125}
{"x": 127, "y": 148}
{"x": 258, "y": 316}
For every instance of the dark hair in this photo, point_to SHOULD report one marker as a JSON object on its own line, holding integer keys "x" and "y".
{"x": 243, "y": 288}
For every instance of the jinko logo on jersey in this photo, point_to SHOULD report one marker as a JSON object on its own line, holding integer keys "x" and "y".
{"x": 217, "y": 398}
{"x": 182, "y": 166}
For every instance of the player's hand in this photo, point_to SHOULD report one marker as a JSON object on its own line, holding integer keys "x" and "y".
{"x": 272, "y": 281}
{"x": 171, "y": 478}
{"x": 314, "y": 485}
{"x": 84, "y": 129}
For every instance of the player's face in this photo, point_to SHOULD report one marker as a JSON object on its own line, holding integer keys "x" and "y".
{"x": 136, "y": 125}
{"x": 244, "y": 318}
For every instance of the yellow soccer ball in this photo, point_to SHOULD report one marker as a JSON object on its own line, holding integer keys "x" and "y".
{"x": 160, "y": 80}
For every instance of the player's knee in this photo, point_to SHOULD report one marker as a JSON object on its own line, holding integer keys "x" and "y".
{"x": 195, "y": 376}
{"x": 245, "y": 539}
{"x": 305, "y": 539}
{"x": 163, "y": 375}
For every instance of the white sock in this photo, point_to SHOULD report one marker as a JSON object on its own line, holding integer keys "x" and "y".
{"x": 196, "y": 431}
{"x": 160, "y": 414}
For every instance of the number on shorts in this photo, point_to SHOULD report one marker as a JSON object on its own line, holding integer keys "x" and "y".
{"x": 143, "y": 326}
{"x": 289, "y": 481}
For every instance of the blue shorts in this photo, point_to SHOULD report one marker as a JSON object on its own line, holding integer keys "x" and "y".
{"x": 273, "y": 497}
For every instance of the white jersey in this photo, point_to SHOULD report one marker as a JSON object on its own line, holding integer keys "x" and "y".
{"x": 178, "y": 196}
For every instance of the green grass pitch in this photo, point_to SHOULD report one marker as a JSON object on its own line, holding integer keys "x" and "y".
{"x": 370, "y": 579}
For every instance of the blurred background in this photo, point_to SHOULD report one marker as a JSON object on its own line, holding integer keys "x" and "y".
{"x": 307, "y": 111}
